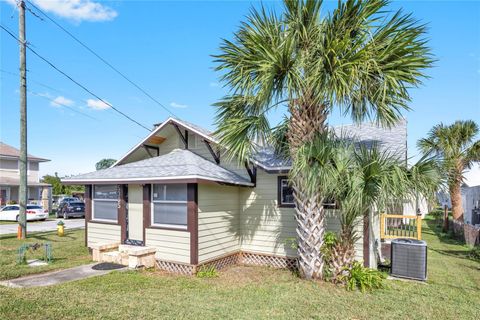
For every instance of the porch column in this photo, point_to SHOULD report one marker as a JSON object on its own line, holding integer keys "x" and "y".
{"x": 192, "y": 221}
{"x": 146, "y": 209}
{"x": 88, "y": 209}
{"x": 122, "y": 211}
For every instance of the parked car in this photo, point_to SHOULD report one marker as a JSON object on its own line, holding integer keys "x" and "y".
{"x": 67, "y": 200}
{"x": 12, "y": 212}
{"x": 71, "y": 209}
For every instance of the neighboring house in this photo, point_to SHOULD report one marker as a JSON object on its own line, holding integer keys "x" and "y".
{"x": 443, "y": 198}
{"x": 471, "y": 204}
{"x": 39, "y": 193}
{"x": 176, "y": 191}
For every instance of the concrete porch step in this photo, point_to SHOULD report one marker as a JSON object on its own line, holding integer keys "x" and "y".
{"x": 127, "y": 255}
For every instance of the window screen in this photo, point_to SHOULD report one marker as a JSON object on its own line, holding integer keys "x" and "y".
{"x": 105, "y": 202}
{"x": 106, "y": 192}
{"x": 285, "y": 196}
{"x": 169, "y": 204}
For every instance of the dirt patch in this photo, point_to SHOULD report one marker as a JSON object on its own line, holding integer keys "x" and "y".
{"x": 237, "y": 276}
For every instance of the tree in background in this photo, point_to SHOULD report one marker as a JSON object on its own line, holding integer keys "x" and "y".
{"x": 58, "y": 188}
{"x": 104, "y": 164}
{"x": 360, "y": 58}
{"x": 456, "y": 147}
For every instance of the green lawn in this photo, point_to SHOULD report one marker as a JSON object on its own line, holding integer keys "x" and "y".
{"x": 68, "y": 251}
{"x": 452, "y": 292}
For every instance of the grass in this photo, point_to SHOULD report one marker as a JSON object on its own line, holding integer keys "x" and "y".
{"x": 451, "y": 292}
{"x": 68, "y": 251}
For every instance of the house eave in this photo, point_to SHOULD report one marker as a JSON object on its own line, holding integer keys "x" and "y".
{"x": 35, "y": 159}
{"x": 170, "y": 120}
{"x": 180, "y": 179}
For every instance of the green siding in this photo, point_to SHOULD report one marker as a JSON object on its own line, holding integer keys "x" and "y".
{"x": 103, "y": 233}
{"x": 171, "y": 245}
{"x": 218, "y": 221}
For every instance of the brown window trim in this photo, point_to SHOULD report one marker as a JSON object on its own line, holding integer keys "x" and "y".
{"x": 279, "y": 194}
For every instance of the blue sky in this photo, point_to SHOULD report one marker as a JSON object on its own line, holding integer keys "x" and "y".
{"x": 166, "y": 47}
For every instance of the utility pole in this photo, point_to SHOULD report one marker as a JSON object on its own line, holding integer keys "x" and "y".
{"x": 22, "y": 219}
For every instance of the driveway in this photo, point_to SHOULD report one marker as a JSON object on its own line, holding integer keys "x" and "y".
{"x": 50, "y": 225}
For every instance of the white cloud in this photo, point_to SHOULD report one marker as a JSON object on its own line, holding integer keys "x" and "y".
{"x": 61, "y": 101}
{"x": 178, "y": 105}
{"x": 76, "y": 10}
{"x": 97, "y": 104}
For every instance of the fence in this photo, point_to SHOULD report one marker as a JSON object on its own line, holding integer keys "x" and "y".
{"x": 400, "y": 226}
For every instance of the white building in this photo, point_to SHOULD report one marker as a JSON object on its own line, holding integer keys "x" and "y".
{"x": 471, "y": 204}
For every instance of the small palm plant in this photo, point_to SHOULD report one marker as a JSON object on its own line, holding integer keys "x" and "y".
{"x": 456, "y": 148}
{"x": 361, "y": 179}
{"x": 359, "y": 58}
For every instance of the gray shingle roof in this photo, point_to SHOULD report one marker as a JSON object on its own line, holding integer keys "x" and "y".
{"x": 392, "y": 140}
{"x": 9, "y": 151}
{"x": 177, "y": 165}
{"x": 187, "y": 124}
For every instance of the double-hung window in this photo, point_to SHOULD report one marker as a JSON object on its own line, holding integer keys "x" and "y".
{"x": 105, "y": 203}
{"x": 285, "y": 193}
{"x": 169, "y": 202}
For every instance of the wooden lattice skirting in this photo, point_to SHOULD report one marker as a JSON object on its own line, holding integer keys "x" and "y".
{"x": 174, "y": 267}
{"x": 223, "y": 262}
{"x": 245, "y": 258}
{"x": 256, "y": 259}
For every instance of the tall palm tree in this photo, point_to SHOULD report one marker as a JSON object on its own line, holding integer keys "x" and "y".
{"x": 455, "y": 146}
{"x": 360, "y": 58}
{"x": 361, "y": 179}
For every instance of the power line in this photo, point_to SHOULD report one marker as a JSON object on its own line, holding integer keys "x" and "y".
{"x": 102, "y": 59}
{"x": 30, "y": 79}
{"x": 50, "y": 88}
{"x": 75, "y": 81}
{"x": 61, "y": 104}
{"x": 47, "y": 98}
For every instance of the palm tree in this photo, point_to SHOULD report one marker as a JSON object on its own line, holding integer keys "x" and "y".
{"x": 456, "y": 148}
{"x": 359, "y": 58}
{"x": 361, "y": 179}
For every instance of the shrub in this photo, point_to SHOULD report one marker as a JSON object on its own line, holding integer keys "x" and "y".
{"x": 474, "y": 254}
{"x": 207, "y": 272}
{"x": 329, "y": 241}
{"x": 9, "y": 202}
{"x": 362, "y": 278}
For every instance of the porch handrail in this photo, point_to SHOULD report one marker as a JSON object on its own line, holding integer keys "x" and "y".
{"x": 394, "y": 226}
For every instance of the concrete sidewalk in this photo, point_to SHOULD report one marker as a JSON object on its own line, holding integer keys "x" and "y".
{"x": 43, "y": 226}
{"x": 56, "y": 277}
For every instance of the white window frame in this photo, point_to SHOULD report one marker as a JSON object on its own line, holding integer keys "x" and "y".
{"x": 104, "y": 200}
{"x": 152, "y": 211}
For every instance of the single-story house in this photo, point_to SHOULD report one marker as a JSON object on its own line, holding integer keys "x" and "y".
{"x": 38, "y": 192}
{"x": 176, "y": 191}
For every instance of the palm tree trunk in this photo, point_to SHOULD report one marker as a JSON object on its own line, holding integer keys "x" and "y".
{"x": 456, "y": 198}
{"x": 305, "y": 123}
{"x": 310, "y": 217}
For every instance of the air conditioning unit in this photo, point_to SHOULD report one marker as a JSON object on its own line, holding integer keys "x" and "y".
{"x": 409, "y": 259}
